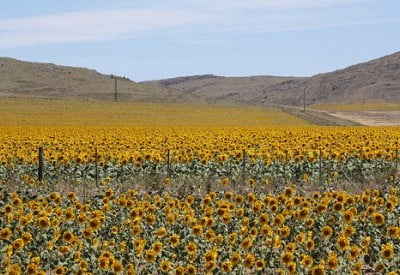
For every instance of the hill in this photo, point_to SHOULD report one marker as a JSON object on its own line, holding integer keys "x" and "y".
{"x": 374, "y": 81}
{"x": 20, "y": 79}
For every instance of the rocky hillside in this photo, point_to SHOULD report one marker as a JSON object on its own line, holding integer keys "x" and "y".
{"x": 376, "y": 80}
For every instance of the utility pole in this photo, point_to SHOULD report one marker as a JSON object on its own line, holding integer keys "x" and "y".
{"x": 304, "y": 99}
{"x": 115, "y": 89}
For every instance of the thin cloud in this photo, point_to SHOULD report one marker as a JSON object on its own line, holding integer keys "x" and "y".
{"x": 91, "y": 25}
{"x": 274, "y": 4}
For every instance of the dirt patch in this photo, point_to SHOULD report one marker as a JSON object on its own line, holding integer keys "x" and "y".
{"x": 316, "y": 117}
{"x": 370, "y": 118}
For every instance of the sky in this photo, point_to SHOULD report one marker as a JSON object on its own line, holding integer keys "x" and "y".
{"x": 155, "y": 39}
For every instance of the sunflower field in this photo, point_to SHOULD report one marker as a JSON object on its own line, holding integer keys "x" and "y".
{"x": 275, "y": 156}
{"x": 220, "y": 190}
{"x": 222, "y": 232}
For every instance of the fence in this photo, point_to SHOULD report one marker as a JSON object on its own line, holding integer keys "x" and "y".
{"x": 244, "y": 169}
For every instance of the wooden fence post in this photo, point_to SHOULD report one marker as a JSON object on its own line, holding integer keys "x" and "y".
{"x": 320, "y": 165}
{"x": 168, "y": 163}
{"x": 95, "y": 166}
{"x": 115, "y": 89}
{"x": 244, "y": 167}
{"x": 396, "y": 163}
{"x": 41, "y": 165}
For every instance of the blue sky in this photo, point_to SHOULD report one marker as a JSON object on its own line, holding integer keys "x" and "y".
{"x": 147, "y": 39}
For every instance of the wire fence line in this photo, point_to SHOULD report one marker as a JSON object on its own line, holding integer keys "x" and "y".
{"x": 241, "y": 169}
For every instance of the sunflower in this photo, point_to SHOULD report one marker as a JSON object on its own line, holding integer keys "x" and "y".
{"x": 247, "y": 243}
{"x": 8, "y": 208}
{"x": 27, "y": 237}
{"x": 179, "y": 270}
{"x": 210, "y": 266}
{"x": 378, "y": 218}
{"x": 161, "y": 232}
{"x": 393, "y": 232}
{"x": 235, "y": 258}
{"x": 342, "y": 242}
{"x": 210, "y": 255}
{"x": 249, "y": 260}
{"x": 349, "y": 230}
{"x": 69, "y": 214}
{"x": 174, "y": 240}
{"x": 151, "y": 218}
{"x": 266, "y": 230}
{"x": 32, "y": 269}
{"x": 226, "y": 266}
{"x": 103, "y": 262}
{"x": 239, "y": 199}
{"x": 390, "y": 206}
{"x": 303, "y": 213}
{"x": 67, "y": 236}
{"x": 289, "y": 191}
{"x": 87, "y": 232}
{"x": 157, "y": 247}
{"x": 165, "y": 266}
{"x": 277, "y": 242}
{"x": 284, "y": 232}
{"x": 60, "y": 270}
{"x": 94, "y": 223}
{"x": 278, "y": 220}
{"x": 18, "y": 244}
{"x": 232, "y": 237}
{"x": 191, "y": 248}
{"x": 318, "y": 270}
{"x": 332, "y": 262}
{"x": 5, "y": 233}
{"x": 228, "y": 195}
{"x": 63, "y": 249}
{"x": 309, "y": 223}
{"x": 191, "y": 269}
{"x": 354, "y": 252}
{"x": 310, "y": 244}
{"x": 43, "y": 222}
{"x": 254, "y": 232}
{"x": 338, "y": 206}
{"x": 197, "y": 230}
{"x": 274, "y": 208}
{"x": 300, "y": 238}
{"x": 365, "y": 242}
{"x": 286, "y": 257}
{"x": 348, "y": 216}
{"x": 83, "y": 265}
{"x": 150, "y": 255}
{"x": 387, "y": 251}
{"x": 292, "y": 267}
{"x": 306, "y": 260}
{"x": 117, "y": 267}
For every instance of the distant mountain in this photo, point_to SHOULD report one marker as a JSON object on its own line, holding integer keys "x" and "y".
{"x": 376, "y": 80}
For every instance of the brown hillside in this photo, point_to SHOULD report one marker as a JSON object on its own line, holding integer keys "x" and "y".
{"x": 43, "y": 80}
{"x": 376, "y": 80}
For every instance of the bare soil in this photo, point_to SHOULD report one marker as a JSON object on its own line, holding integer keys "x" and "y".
{"x": 370, "y": 118}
